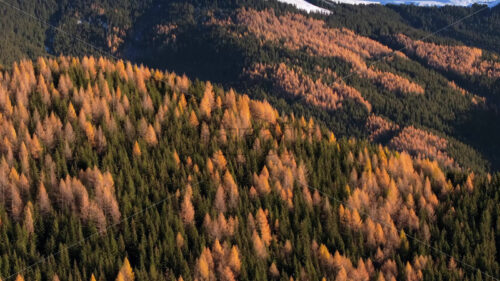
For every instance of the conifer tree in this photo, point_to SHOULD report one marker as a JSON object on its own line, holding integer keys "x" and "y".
{"x": 187, "y": 211}
{"x": 207, "y": 102}
{"x": 136, "y": 149}
{"x": 126, "y": 273}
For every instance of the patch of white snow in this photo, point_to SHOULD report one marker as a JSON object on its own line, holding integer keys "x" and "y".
{"x": 304, "y": 5}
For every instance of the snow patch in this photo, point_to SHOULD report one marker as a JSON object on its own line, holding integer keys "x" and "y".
{"x": 304, "y": 5}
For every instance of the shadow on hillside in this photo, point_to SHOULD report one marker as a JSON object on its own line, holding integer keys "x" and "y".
{"x": 480, "y": 128}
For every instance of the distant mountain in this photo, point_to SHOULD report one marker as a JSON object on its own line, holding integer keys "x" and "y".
{"x": 305, "y": 5}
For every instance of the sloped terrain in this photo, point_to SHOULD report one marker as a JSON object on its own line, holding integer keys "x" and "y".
{"x": 277, "y": 144}
{"x": 113, "y": 170}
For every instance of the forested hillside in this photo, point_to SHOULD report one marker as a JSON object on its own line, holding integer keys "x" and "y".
{"x": 118, "y": 171}
{"x": 248, "y": 140}
{"x": 435, "y": 97}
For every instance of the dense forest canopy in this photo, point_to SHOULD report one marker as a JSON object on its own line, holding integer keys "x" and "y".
{"x": 227, "y": 42}
{"x": 278, "y": 144}
{"x": 171, "y": 179}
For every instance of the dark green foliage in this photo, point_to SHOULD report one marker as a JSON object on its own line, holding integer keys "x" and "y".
{"x": 467, "y": 225}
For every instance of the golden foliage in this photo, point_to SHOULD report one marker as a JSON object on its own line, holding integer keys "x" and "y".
{"x": 383, "y": 194}
{"x": 220, "y": 227}
{"x": 150, "y": 136}
{"x": 422, "y": 144}
{"x": 300, "y": 32}
{"x": 193, "y": 120}
{"x": 379, "y": 127}
{"x": 296, "y": 83}
{"x": 220, "y": 200}
{"x": 259, "y": 246}
{"x": 136, "y": 150}
{"x": 415, "y": 141}
{"x": 459, "y": 59}
{"x": 203, "y": 268}
{"x": 219, "y": 160}
{"x": 126, "y": 272}
{"x": 263, "y": 111}
{"x": 207, "y": 102}
{"x": 231, "y": 189}
{"x": 28, "y": 218}
{"x": 273, "y": 270}
{"x": 265, "y": 230}
{"x": 261, "y": 181}
{"x": 187, "y": 209}
{"x": 43, "y": 199}
{"x": 234, "y": 259}
{"x": 392, "y": 82}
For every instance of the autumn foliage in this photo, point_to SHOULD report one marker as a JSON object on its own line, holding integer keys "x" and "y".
{"x": 296, "y": 32}
{"x": 89, "y": 193}
{"x": 459, "y": 59}
{"x": 126, "y": 273}
{"x": 221, "y": 262}
{"x": 297, "y": 84}
{"x": 417, "y": 142}
{"x": 208, "y": 183}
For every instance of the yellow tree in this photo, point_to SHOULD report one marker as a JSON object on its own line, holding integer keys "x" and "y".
{"x": 231, "y": 189}
{"x": 36, "y": 147}
{"x": 187, "y": 211}
{"x": 265, "y": 231}
{"x": 193, "y": 120}
{"x": 126, "y": 273}
{"x": 273, "y": 269}
{"x": 28, "y": 218}
{"x": 207, "y": 101}
{"x": 43, "y": 199}
{"x": 137, "y": 149}
{"x": 71, "y": 112}
{"x": 220, "y": 199}
{"x": 234, "y": 259}
{"x": 179, "y": 240}
{"x": 150, "y": 136}
{"x": 219, "y": 160}
{"x": 260, "y": 248}
{"x": 206, "y": 264}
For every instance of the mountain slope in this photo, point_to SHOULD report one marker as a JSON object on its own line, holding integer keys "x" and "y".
{"x": 214, "y": 41}
{"x": 312, "y": 50}
{"x": 162, "y": 178}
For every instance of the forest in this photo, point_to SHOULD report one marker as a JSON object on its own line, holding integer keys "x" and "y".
{"x": 248, "y": 140}
{"x": 163, "y": 178}
{"x": 360, "y": 70}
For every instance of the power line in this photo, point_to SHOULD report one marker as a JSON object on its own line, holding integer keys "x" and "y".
{"x": 414, "y": 238}
{"x": 81, "y": 241}
{"x": 421, "y": 39}
{"x": 62, "y": 31}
